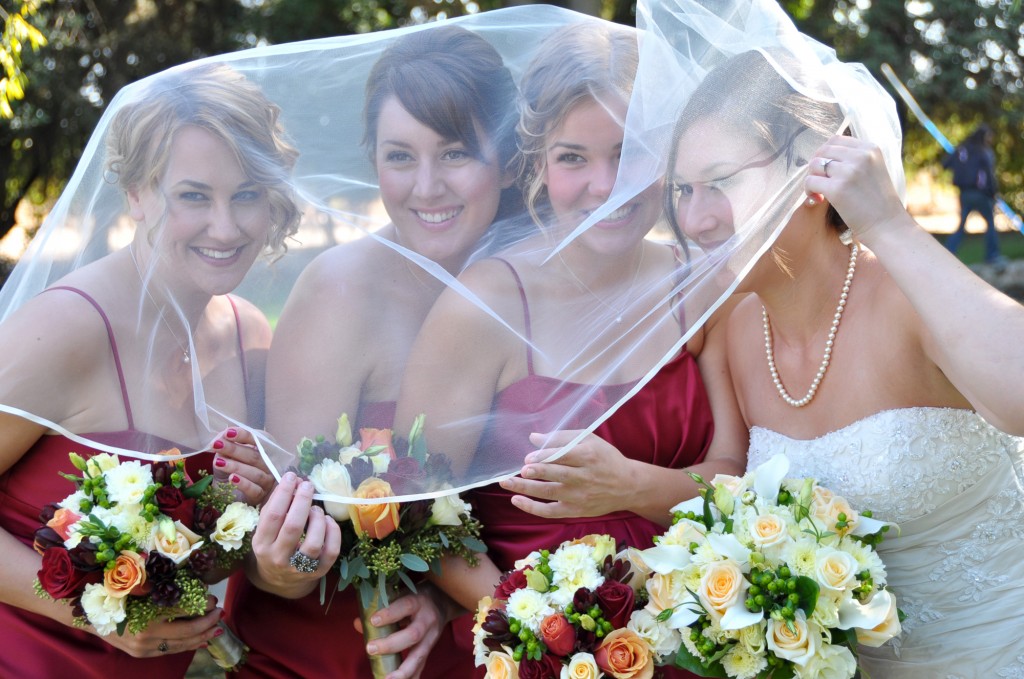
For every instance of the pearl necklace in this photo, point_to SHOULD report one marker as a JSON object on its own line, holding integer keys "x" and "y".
{"x": 800, "y": 403}
{"x": 186, "y": 359}
{"x": 629, "y": 292}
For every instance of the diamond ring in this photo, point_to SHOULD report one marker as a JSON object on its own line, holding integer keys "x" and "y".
{"x": 303, "y": 563}
{"x": 163, "y": 647}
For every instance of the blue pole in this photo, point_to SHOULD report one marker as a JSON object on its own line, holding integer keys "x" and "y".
{"x": 925, "y": 121}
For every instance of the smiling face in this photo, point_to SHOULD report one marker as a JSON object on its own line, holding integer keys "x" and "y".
{"x": 211, "y": 221}
{"x": 581, "y": 161}
{"x": 440, "y": 196}
{"x": 719, "y": 181}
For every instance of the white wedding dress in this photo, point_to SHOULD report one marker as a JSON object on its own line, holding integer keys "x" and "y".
{"x": 948, "y": 479}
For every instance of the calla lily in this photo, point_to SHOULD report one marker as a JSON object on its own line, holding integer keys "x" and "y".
{"x": 664, "y": 559}
{"x": 738, "y": 617}
{"x": 684, "y": 615}
{"x": 728, "y": 546}
{"x": 865, "y": 616}
{"x": 768, "y": 478}
{"x": 694, "y": 504}
{"x": 868, "y": 526}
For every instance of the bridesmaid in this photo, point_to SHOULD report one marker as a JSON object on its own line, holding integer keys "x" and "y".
{"x": 439, "y": 126}
{"x": 202, "y": 161}
{"x": 624, "y": 479}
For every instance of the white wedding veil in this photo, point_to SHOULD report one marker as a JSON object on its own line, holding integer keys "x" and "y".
{"x": 586, "y": 302}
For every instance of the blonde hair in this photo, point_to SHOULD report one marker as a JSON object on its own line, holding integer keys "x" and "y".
{"x": 580, "y": 62}
{"x": 224, "y": 102}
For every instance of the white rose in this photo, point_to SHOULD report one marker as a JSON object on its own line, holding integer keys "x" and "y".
{"x": 331, "y": 478}
{"x": 581, "y": 666}
{"x": 799, "y": 644}
{"x": 722, "y": 587}
{"x": 834, "y": 569}
{"x": 831, "y": 662}
{"x": 104, "y": 611}
{"x": 501, "y": 666}
{"x": 448, "y": 511}
{"x": 380, "y": 463}
{"x": 232, "y": 526}
{"x": 175, "y": 540}
{"x": 349, "y": 453}
{"x": 768, "y": 530}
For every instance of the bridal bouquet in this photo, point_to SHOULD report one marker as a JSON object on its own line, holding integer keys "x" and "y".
{"x": 765, "y": 576}
{"x": 135, "y": 542}
{"x": 566, "y": 613}
{"x": 382, "y": 543}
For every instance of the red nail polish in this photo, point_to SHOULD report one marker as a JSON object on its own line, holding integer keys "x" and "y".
{"x": 217, "y": 632}
{"x": 219, "y": 462}
{"x": 231, "y": 433}
{"x": 218, "y": 444}
{"x": 236, "y": 479}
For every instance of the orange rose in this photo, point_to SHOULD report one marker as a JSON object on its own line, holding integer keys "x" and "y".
{"x": 380, "y": 520}
{"x": 62, "y": 520}
{"x": 624, "y": 655}
{"x": 368, "y": 438}
{"x": 558, "y": 634}
{"x": 128, "y": 576}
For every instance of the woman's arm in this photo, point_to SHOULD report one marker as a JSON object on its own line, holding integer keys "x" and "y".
{"x": 969, "y": 329}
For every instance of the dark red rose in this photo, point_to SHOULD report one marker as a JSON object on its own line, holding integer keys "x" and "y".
{"x": 58, "y": 576}
{"x": 558, "y": 634}
{"x": 405, "y": 475}
{"x": 414, "y": 515}
{"x": 509, "y": 583}
{"x": 548, "y": 667}
{"x": 45, "y": 538}
{"x": 203, "y": 560}
{"x": 175, "y": 505}
{"x": 162, "y": 472}
{"x": 616, "y": 600}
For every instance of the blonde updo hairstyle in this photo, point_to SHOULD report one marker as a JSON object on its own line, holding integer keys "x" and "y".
{"x": 224, "y": 102}
{"x": 586, "y": 61}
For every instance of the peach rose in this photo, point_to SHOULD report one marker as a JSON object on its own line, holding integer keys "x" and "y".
{"x": 501, "y": 666}
{"x": 175, "y": 541}
{"x": 722, "y": 587}
{"x": 798, "y": 644}
{"x": 885, "y": 630}
{"x": 768, "y": 530}
{"x": 62, "y": 521}
{"x": 379, "y": 520}
{"x": 830, "y": 512}
{"x": 665, "y": 590}
{"x": 834, "y": 569}
{"x": 624, "y": 655}
{"x": 128, "y": 576}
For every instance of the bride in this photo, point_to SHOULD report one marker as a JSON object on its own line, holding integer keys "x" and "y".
{"x": 877, "y": 363}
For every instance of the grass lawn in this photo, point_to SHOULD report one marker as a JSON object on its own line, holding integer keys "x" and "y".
{"x": 972, "y": 249}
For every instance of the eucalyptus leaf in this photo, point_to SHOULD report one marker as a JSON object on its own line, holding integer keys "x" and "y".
{"x": 414, "y": 563}
{"x": 474, "y": 544}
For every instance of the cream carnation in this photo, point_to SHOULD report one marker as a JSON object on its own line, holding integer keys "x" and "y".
{"x": 127, "y": 482}
{"x": 104, "y": 611}
{"x": 234, "y": 524}
{"x": 661, "y": 639}
{"x": 740, "y": 663}
{"x": 573, "y": 566}
{"x": 529, "y": 607}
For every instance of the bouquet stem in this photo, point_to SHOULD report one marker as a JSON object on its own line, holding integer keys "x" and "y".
{"x": 381, "y": 665}
{"x": 227, "y": 650}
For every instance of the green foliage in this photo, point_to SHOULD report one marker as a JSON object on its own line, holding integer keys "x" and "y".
{"x": 18, "y": 33}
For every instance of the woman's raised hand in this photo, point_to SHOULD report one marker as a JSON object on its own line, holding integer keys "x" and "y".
{"x": 239, "y": 462}
{"x": 588, "y": 480}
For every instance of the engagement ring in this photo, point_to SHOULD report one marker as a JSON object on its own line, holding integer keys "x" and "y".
{"x": 303, "y": 563}
{"x": 824, "y": 165}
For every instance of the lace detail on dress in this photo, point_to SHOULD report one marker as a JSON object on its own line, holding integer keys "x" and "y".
{"x": 901, "y": 464}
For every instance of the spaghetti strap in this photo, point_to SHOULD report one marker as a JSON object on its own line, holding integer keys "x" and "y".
{"x": 241, "y": 348}
{"x": 113, "y": 349}
{"x": 526, "y": 314}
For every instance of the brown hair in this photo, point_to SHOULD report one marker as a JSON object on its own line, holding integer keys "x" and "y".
{"x": 579, "y": 62}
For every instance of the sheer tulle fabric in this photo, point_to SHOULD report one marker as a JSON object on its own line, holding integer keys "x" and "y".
{"x": 616, "y": 285}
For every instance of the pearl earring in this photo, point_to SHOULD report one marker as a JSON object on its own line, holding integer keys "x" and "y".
{"x": 811, "y": 202}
